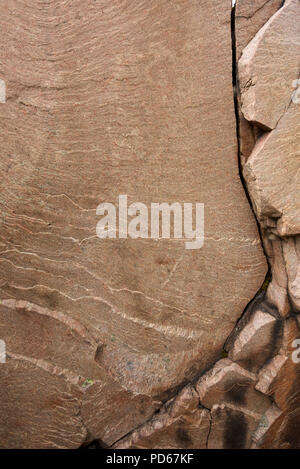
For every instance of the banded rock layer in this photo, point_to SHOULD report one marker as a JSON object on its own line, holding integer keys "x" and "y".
{"x": 120, "y": 340}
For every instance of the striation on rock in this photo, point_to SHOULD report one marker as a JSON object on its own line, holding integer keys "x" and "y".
{"x": 106, "y": 339}
{"x": 230, "y": 384}
{"x": 181, "y": 423}
{"x": 111, "y": 98}
{"x": 272, "y": 174}
{"x": 274, "y": 52}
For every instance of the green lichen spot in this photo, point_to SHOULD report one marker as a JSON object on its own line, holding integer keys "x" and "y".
{"x": 88, "y": 383}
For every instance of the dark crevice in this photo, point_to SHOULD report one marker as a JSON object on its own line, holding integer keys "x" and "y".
{"x": 260, "y": 295}
{"x": 235, "y": 85}
{"x": 96, "y": 444}
{"x": 209, "y": 430}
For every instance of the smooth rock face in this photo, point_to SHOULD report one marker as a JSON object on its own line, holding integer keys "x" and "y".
{"x": 114, "y": 98}
{"x": 111, "y": 98}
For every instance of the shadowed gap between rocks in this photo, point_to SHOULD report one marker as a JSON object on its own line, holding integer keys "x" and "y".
{"x": 261, "y": 292}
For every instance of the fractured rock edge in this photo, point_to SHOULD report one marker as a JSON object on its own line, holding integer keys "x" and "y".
{"x": 63, "y": 269}
{"x": 187, "y": 404}
{"x": 264, "y": 322}
{"x": 277, "y": 211}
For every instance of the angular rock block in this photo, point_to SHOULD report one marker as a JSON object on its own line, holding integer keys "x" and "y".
{"x": 266, "y": 422}
{"x": 232, "y": 427}
{"x": 256, "y": 342}
{"x": 181, "y": 423}
{"x": 269, "y": 67}
{"x": 269, "y": 373}
{"x": 228, "y": 383}
{"x": 250, "y": 17}
{"x": 284, "y": 433}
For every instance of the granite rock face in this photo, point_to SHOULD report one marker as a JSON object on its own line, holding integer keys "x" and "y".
{"x": 271, "y": 173}
{"x": 121, "y": 340}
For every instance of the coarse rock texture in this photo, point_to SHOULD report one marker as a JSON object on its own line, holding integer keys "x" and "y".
{"x": 249, "y": 17}
{"x": 102, "y": 99}
{"x": 120, "y": 340}
{"x": 39, "y": 407}
{"x": 266, "y": 96}
{"x": 277, "y": 199}
{"x": 256, "y": 341}
{"x": 232, "y": 427}
{"x": 284, "y": 433}
{"x": 271, "y": 416}
{"x": 181, "y": 423}
{"x": 232, "y": 385}
{"x": 271, "y": 174}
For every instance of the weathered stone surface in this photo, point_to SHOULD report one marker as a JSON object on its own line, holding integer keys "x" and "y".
{"x": 285, "y": 431}
{"x": 276, "y": 199}
{"x": 228, "y": 383}
{"x": 105, "y": 99}
{"x": 181, "y": 423}
{"x": 277, "y": 292}
{"x": 39, "y": 406}
{"x": 256, "y": 342}
{"x": 273, "y": 53}
{"x": 109, "y": 411}
{"x": 250, "y": 17}
{"x": 45, "y": 334}
{"x": 268, "y": 373}
{"x": 291, "y": 251}
{"x": 63, "y": 345}
{"x": 232, "y": 427}
{"x": 266, "y": 422}
{"x": 111, "y": 99}
{"x": 272, "y": 176}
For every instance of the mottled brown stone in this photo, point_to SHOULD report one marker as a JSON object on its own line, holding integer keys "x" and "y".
{"x": 250, "y": 17}
{"x": 107, "y": 98}
{"x": 39, "y": 406}
{"x": 229, "y": 383}
{"x": 256, "y": 342}
{"x": 232, "y": 427}
{"x": 285, "y": 431}
{"x": 181, "y": 423}
{"x": 269, "y": 66}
